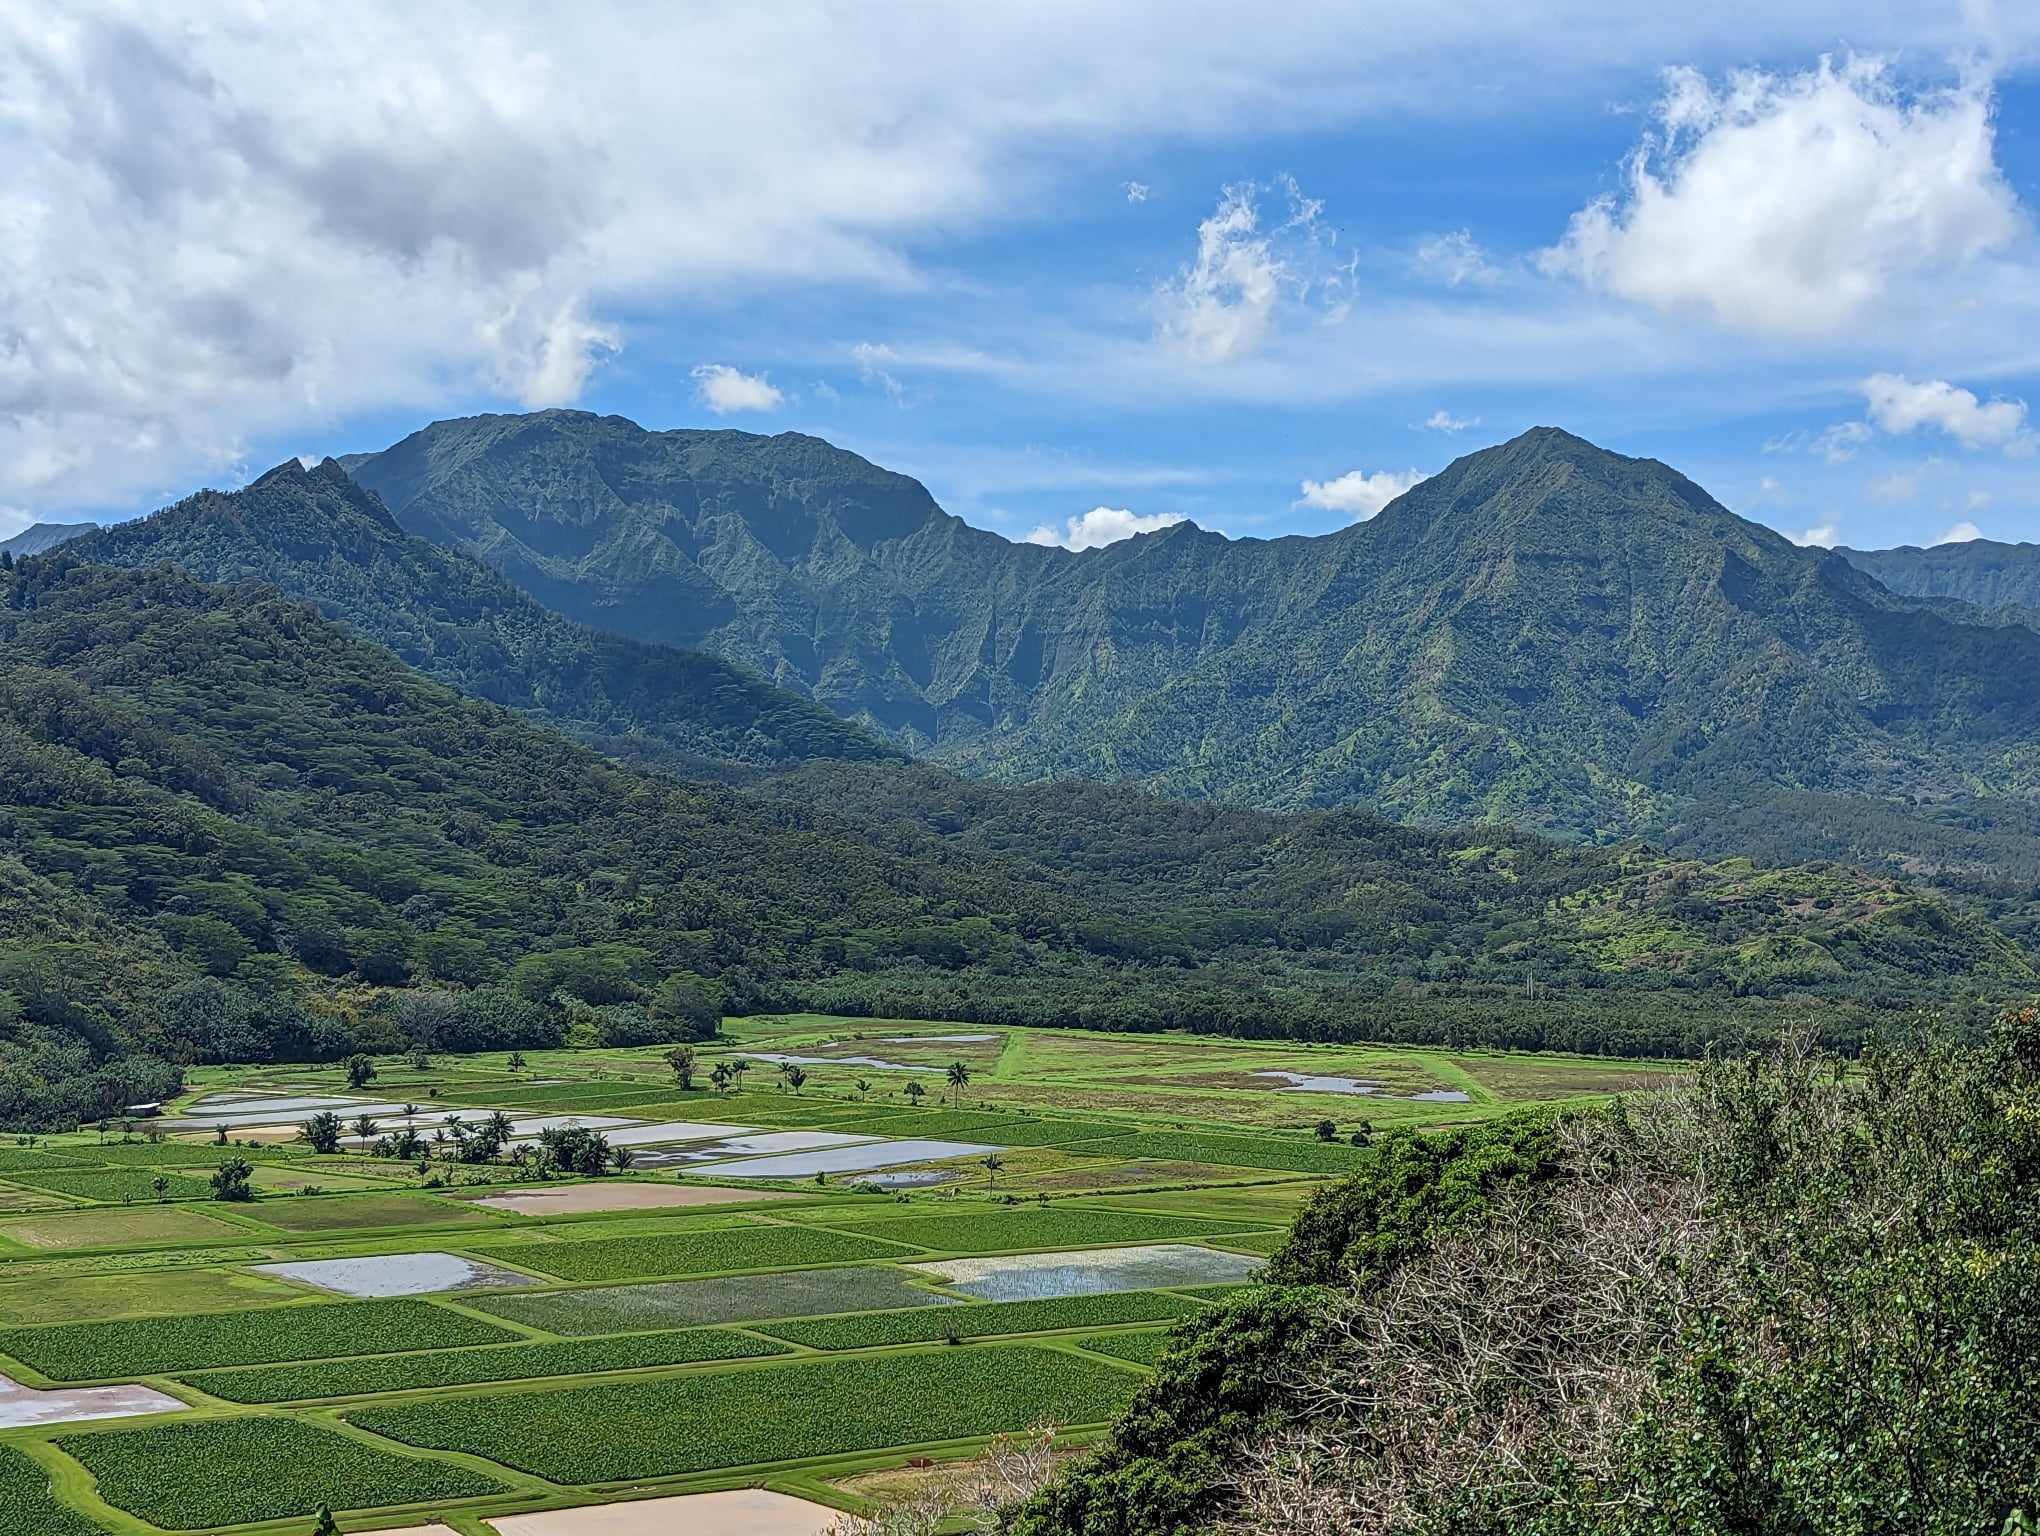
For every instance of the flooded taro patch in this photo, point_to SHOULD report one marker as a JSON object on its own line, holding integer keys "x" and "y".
{"x": 691, "y": 1303}
{"x": 22, "y": 1407}
{"x": 1087, "y": 1272}
{"x": 397, "y": 1274}
{"x": 850, "y": 1159}
{"x": 734, "y": 1512}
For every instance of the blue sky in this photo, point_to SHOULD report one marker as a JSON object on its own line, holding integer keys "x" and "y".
{"x": 1079, "y": 268}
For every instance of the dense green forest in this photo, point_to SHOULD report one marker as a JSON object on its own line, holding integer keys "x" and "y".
{"x": 1782, "y": 1298}
{"x": 1544, "y": 633}
{"x": 311, "y": 848}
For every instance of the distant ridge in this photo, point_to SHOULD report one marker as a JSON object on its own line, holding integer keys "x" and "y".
{"x": 1545, "y": 632}
{"x": 40, "y": 538}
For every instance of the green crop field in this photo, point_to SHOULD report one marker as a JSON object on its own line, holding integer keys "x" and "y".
{"x": 148, "y": 1346}
{"x": 1055, "y": 1227}
{"x": 735, "y": 1299}
{"x": 979, "y": 1320}
{"x": 467, "y": 1367}
{"x": 776, "y": 1323}
{"x": 115, "y": 1186}
{"x": 697, "y": 1253}
{"x": 1144, "y": 1347}
{"x": 214, "y": 1472}
{"x": 764, "y": 1414}
{"x": 27, "y": 1507}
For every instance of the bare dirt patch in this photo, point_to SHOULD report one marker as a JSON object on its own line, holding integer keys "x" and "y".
{"x": 576, "y": 1199}
{"x": 738, "y": 1512}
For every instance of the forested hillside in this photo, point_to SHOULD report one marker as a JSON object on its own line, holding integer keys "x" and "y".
{"x": 306, "y": 833}
{"x": 2001, "y": 581}
{"x": 315, "y": 534}
{"x": 1544, "y": 633}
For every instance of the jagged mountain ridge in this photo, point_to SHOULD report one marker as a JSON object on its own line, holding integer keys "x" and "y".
{"x": 1544, "y": 632}
{"x": 40, "y": 538}
{"x": 316, "y": 534}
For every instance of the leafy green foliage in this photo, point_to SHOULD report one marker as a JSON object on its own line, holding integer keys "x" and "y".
{"x": 771, "y": 1413}
{"x": 28, "y": 1507}
{"x": 1143, "y": 1347}
{"x": 1053, "y": 1227}
{"x": 148, "y": 1346}
{"x": 1271, "y": 1152}
{"x": 232, "y": 1471}
{"x": 1411, "y": 1188}
{"x": 695, "y": 1253}
{"x": 980, "y": 1320}
{"x": 1159, "y": 1471}
{"x": 464, "y": 1367}
{"x": 113, "y": 1185}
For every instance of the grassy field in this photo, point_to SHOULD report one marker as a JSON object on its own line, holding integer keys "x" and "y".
{"x": 783, "y": 1339}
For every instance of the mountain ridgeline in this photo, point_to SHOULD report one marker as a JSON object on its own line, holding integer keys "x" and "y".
{"x": 1990, "y": 581}
{"x": 315, "y": 534}
{"x": 1545, "y": 633}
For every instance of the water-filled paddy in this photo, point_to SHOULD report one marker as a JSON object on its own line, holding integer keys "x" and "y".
{"x": 1087, "y": 1272}
{"x": 857, "y": 1159}
{"x": 688, "y": 1303}
{"x": 579, "y": 1199}
{"x": 23, "y": 1406}
{"x": 397, "y": 1274}
{"x": 759, "y": 1144}
{"x": 876, "y": 1063}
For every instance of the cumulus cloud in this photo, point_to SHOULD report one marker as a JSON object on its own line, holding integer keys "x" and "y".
{"x": 1442, "y": 420}
{"x": 1790, "y": 204}
{"x": 1900, "y": 405}
{"x": 725, "y": 390}
{"x": 1822, "y": 536}
{"x": 1964, "y": 532}
{"x": 1218, "y": 308}
{"x": 1137, "y": 191}
{"x": 1101, "y": 526}
{"x": 1358, "y": 494}
{"x": 1455, "y": 259}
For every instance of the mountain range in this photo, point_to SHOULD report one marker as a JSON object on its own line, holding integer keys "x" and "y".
{"x": 1545, "y": 633}
{"x": 40, "y": 538}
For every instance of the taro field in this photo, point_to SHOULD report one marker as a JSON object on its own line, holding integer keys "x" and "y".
{"x": 862, "y": 1246}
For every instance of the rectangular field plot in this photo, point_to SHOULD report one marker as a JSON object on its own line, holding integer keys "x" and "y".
{"x": 81, "y": 1298}
{"x": 466, "y": 1367}
{"x": 398, "y": 1274}
{"x": 852, "y": 1160}
{"x": 739, "y": 1299}
{"x": 1144, "y": 1347}
{"x": 330, "y": 1213}
{"x": 115, "y": 1185}
{"x": 981, "y": 1320}
{"x": 768, "y": 1413}
{"x": 1055, "y": 1227}
{"x": 186, "y": 1477}
{"x": 698, "y": 1253}
{"x": 1289, "y": 1154}
{"x": 972, "y": 1125}
{"x": 34, "y": 1160}
{"x": 28, "y": 1508}
{"x": 1037, "y": 1276}
{"x": 151, "y": 1346}
{"x": 166, "y": 1225}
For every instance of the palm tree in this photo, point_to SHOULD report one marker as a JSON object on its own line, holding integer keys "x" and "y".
{"x": 500, "y": 1129}
{"x": 737, "y": 1070}
{"x": 914, "y": 1092}
{"x": 365, "y": 1128}
{"x": 993, "y": 1163}
{"x": 863, "y": 1087}
{"x": 410, "y": 1114}
{"x": 161, "y": 1186}
{"x": 958, "y": 1076}
{"x": 621, "y": 1158}
{"x": 721, "y": 1077}
{"x": 795, "y": 1077}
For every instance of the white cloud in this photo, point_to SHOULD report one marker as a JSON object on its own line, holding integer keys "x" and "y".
{"x": 1358, "y": 494}
{"x": 1101, "y": 526}
{"x": 1823, "y": 536}
{"x": 1840, "y": 442}
{"x": 725, "y": 390}
{"x": 1455, "y": 259}
{"x": 1444, "y": 421}
{"x": 1962, "y": 533}
{"x": 1769, "y": 487}
{"x": 1899, "y": 405}
{"x": 1137, "y": 191}
{"x": 875, "y": 361}
{"x": 1791, "y": 204}
{"x": 1218, "y": 308}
